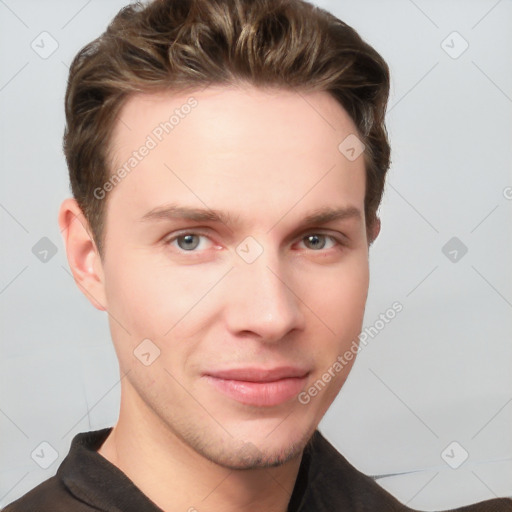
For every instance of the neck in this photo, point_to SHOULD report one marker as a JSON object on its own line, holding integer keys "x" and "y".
{"x": 177, "y": 478}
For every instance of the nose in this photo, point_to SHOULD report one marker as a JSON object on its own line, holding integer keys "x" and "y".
{"x": 261, "y": 300}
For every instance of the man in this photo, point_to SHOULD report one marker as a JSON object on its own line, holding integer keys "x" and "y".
{"x": 254, "y": 128}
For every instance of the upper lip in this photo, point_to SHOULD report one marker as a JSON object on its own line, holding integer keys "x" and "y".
{"x": 259, "y": 374}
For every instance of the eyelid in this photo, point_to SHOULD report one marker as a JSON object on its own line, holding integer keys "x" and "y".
{"x": 340, "y": 239}
{"x": 177, "y": 234}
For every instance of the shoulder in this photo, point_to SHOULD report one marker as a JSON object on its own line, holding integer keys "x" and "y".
{"x": 66, "y": 490}
{"x": 333, "y": 480}
{"x": 48, "y": 496}
{"x": 495, "y": 505}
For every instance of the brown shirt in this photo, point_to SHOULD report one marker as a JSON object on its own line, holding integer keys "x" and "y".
{"x": 87, "y": 482}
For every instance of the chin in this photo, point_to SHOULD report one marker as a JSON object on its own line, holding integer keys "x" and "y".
{"x": 251, "y": 457}
{"x": 268, "y": 451}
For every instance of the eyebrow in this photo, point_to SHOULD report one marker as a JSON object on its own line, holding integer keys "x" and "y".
{"x": 174, "y": 212}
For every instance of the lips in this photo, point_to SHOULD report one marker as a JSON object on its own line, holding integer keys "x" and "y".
{"x": 261, "y": 387}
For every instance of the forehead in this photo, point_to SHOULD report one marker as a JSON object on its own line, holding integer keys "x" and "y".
{"x": 230, "y": 118}
{"x": 239, "y": 146}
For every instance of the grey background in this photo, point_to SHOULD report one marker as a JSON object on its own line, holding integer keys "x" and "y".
{"x": 439, "y": 372}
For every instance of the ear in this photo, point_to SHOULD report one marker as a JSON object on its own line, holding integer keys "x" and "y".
{"x": 83, "y": 256}
{"x": 374, "y": 231}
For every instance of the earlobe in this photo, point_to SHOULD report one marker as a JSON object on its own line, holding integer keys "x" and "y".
{"x": 82, "y": 253}
{"x": 374, "y": 230}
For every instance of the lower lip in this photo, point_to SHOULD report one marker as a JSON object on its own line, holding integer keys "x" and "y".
{"x": 260, "y": 394}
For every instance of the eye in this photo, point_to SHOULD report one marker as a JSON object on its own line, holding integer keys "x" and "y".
{"x": 191, "y": 242}
{"x": 317, "y": 241}
{"x": 186, "y": 242}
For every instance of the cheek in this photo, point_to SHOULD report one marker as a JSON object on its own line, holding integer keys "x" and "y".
{"x": 151, "y": 296}
{"x": 134, "y": 293}
{"x": 151, "y": 301}
{"x": 339, "y": 297}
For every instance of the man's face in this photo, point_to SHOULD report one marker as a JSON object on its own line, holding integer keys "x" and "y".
{"x": 259, "y": 291}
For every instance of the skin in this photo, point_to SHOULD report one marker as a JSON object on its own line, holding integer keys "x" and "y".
{"x": 269, "y": 158}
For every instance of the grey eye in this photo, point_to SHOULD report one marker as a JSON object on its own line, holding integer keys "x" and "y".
{"x": 314, "y": 241}
{"x": 188, "y": 242}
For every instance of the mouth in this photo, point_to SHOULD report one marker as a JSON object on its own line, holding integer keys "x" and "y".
{"x": 257, "y": 386}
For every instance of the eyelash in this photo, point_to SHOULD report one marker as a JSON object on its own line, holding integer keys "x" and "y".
{"x": 339, "y": 243}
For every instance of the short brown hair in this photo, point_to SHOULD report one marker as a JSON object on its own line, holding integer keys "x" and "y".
{"x": 178, "y": 45}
